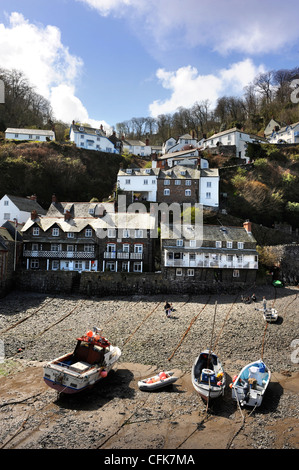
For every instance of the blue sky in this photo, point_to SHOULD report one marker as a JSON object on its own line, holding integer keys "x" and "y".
{"x": 107, "y": 61}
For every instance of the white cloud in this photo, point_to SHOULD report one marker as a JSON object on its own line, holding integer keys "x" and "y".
{"x": 225, "y": 26}
{"x": 38, "y": 52}
{"x": 187, "y": 86}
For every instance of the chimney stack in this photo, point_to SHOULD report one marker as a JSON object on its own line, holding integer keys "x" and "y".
{"x": 54, "y": 199}
{"x": 32, "y": 197}
{"x": 34, "y": 215}
{"x": 247, "y": 226}
{"x": 67, "y": 216}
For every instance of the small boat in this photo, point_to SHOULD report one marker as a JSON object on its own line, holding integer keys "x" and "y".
{"x": 249, "y": 386}
{"x": 157, "y": 381}
{"x": 270, "y": 315}
{"x": 90, "y": 362}
{"x": 207, "y": 375}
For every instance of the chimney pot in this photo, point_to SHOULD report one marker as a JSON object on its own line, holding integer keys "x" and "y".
{"x": 54, "y": 199}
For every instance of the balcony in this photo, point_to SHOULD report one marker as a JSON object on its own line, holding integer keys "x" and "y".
{"x": 59, "y": 254}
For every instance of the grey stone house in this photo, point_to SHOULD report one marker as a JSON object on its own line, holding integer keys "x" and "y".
{"x": 219, "y": 254}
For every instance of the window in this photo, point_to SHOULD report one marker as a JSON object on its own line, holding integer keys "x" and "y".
{"x": 127, "y": 181}
{"x": 78, "y": 265}
{"x": 179, "y": 272}
{"x": 6, "y": 203}
{"x": 70, "y": 235}
{"x": 187, "y": 192}
{"x": 166, "y": 182}
{"x": 188, "y": 182}
{"x": 138, "y": 248}
{"x": 55, "y": 265}
{"x": 55, "y": 247}
{"x": 240, "y": 245}
{"x": 236, "y": 273}
{"x": 126, "y": 233}
{"x": 88, "y": 248}
{"x": 111, "y": 233}
{"x": 137, "y": 267}
{"x": 179, "y": 243}
{"x": 209, "y": 184}
{"x": 88, "y": 232}
{"x": 6, "y": 215}
{"x": 35, "y": 231}
{"x": 55, "y": 232}
{"x": 166, "y": 192}
{"x": 138, "y": 233}
{"x": 34, "y": 263}
{"x": 177, "y": 182}
{"x": 34, "y": 246}
{"x": 192, "y": 256}
{"x": 111, "y": 247}
{"x": 218, "y": 244}
{"x": 153, "y": 181}
{"x": 229, "y": 244}
{"x": 125, "y": 266}
{"x": 126, "y": 248}
{"x": 190, "y": 272}
{"x": 208, "y": 195}
{"x": 192, "y": 243}
{"x": 70, "y": 248}
{"x": 145, "y": 181}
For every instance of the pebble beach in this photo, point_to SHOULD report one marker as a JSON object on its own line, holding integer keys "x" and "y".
{"x": 115, "y": 414}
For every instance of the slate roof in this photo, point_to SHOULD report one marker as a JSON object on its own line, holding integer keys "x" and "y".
{"x": 12, "y": 130}
{"x": 218, "y": 233}
{"x": 26, "y": 205}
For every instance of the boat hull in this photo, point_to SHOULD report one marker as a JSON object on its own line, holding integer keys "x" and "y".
{"x": 204, "y": 380}
{"x": 243, "y": 392}
{"x": 149, "y": 387}
{"x": 76, "y": 377}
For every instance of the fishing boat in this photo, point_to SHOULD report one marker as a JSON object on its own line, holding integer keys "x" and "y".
{"x": 207, "y": 375}
{"x": 163, "y": 379}
{"x": 270, "y": 315}
{"x": 248, "y": 388}
{"x": 90, "y": 362}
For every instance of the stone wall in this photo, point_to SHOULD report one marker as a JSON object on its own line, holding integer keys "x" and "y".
{"x": 120, "y": 284}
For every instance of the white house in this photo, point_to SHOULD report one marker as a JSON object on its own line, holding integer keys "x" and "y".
{"x": 286, "y": 135}
{"x": 91, "y": 139}
{"x": 209, "y": 187}
{"x": 184, "y": 142}
{"x": 29, "y": 134}
{"x": 19, "y": 208}
{"x": 137, "y": 147}
{"x": 139, "y": 183}
{"x": 233, "y": 137}
{"x": 183, "y": 157}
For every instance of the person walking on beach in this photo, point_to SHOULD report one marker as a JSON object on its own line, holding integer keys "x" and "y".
{"x": 167, "y": 308}
{"x": 264, "y": 303}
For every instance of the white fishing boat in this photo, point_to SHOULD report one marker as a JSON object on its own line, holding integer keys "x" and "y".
{"x": 163, "y": 379}
{"x": 207, "y": 375}
{"x": 248, "y": 388}
{"x": 90, "y": 362}
{"x": 270, "y": 315}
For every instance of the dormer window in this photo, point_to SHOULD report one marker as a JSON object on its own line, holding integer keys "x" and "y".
{"x": 81, "y": 129}
{"x": 129, "y": 171}
{"x": 55, "y": 232}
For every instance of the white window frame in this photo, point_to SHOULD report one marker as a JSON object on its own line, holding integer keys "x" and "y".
{"x": 178, "y": 272}
{"x": 55, "y": 232}
{"x": 180, "y": 242}
{"x": 229, "y": 244}
{"x": 166, "y": 192}
{"x": 187, "y": 192}
{"x": 240, "y": 245}
{"x": 139, "y": 233}
{"x": 35, "y": 231}
{"x": 190, "y": 272}
{"x": 138, "y": 248}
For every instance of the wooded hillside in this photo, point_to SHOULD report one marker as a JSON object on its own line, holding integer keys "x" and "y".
{"x": 46, "y": 168}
